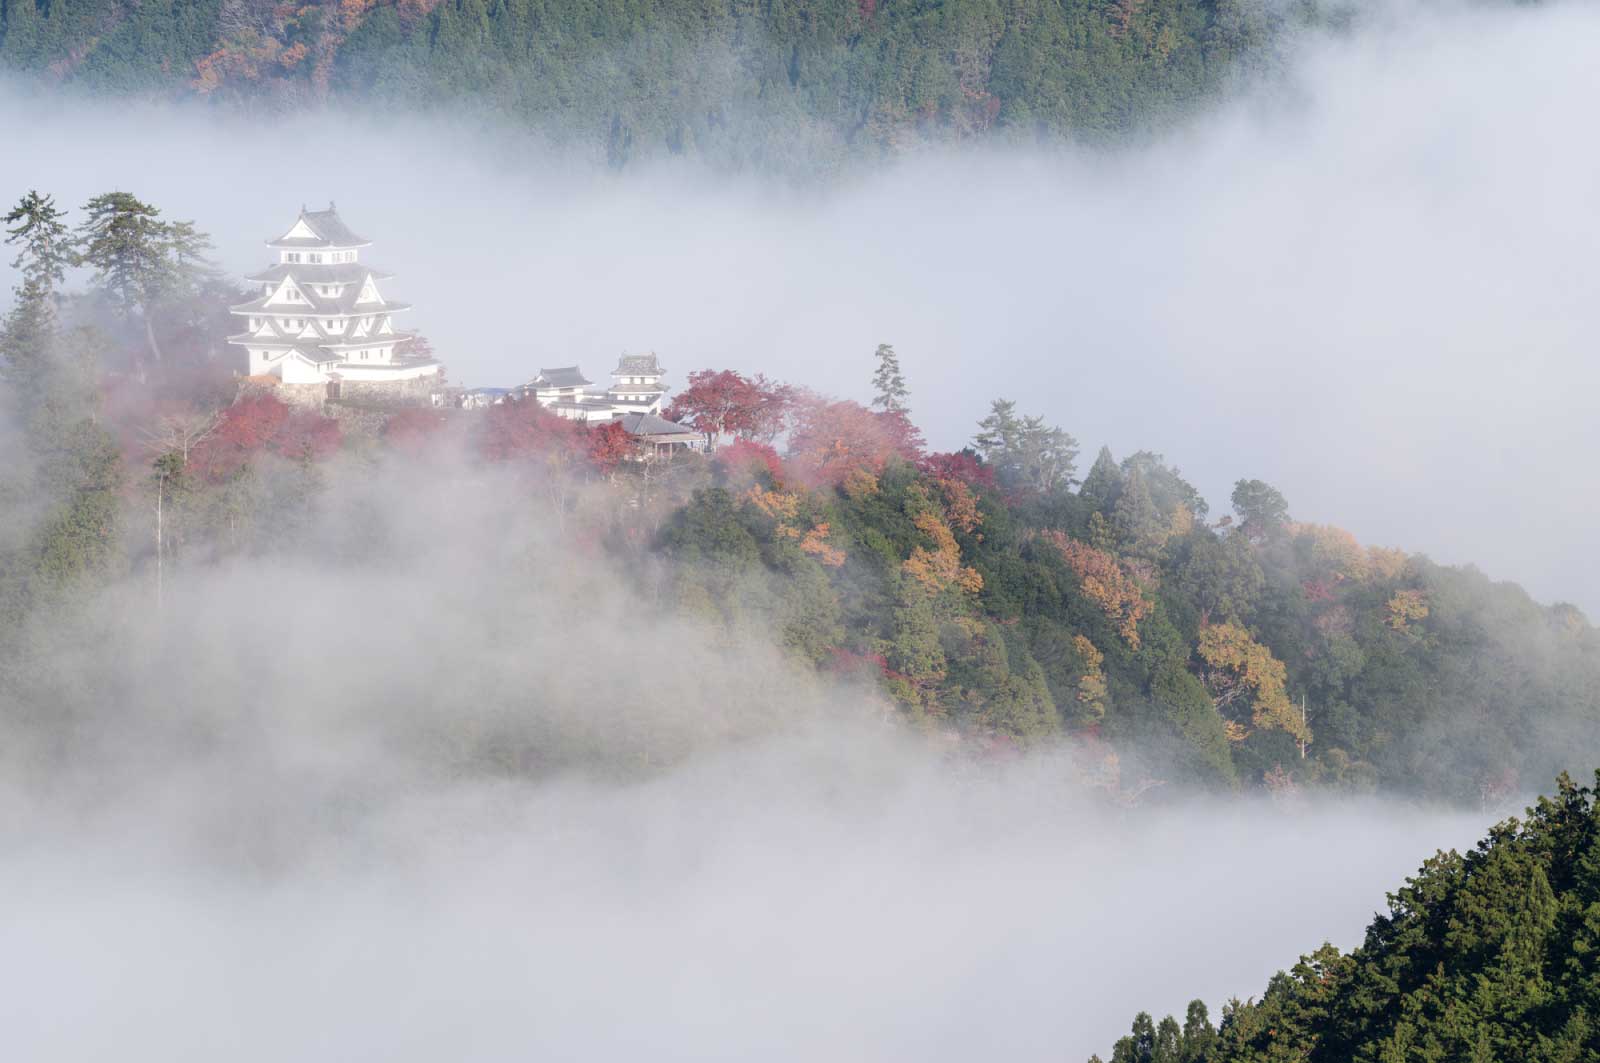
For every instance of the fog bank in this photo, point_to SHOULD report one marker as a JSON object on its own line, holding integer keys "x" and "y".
{"x": 424, "y": 782}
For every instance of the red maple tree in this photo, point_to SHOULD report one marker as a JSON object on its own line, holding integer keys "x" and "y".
{"x": 523, "y": 429}
{"x": 830, "y": 440}
{"x": 609, "y": 446}
{"x": 721, "y": 402}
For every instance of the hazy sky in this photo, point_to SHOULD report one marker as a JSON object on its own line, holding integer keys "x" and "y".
{"x": 1371, "y": 285}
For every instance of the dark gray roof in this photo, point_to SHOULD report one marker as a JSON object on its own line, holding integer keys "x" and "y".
{"x": 342, "y": 305}
{"x": 567, "y": 376}
{"x": 637, "y": 365}
{"x": 649, "y": 426}
{"x": 331, "y": 232}
{"x": 339, "y": 273}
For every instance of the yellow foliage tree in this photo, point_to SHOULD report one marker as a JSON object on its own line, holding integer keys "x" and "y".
{"x": 960, "y": 506}
{"x": 816, "y": 544}
{"x": 1092, "y": 684}
{"x": 1107, "y": 582}
{"x": 859, "y": 484}
{"x": 940, "y": 567}
{"x": 1333, "y": 551}
{"x": 1386, "y": 564}
{"x": 1237, "y": 666}
{"x": 1405, "y": 608}
{"x": 781, "y": 506}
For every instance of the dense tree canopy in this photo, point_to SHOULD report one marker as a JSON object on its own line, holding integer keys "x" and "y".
{"x": 1490, "y": 955}
{"x": 797, "y": 84}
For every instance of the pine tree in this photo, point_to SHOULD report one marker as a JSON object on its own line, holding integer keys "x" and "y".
{"x": 44, "y": 244}
{"x": 139, "y": 260}
{"x": 888, "y": 383}
{"x": 999, "y": 432}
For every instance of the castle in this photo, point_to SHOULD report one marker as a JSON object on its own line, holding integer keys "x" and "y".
{"x": 321, "y": 329}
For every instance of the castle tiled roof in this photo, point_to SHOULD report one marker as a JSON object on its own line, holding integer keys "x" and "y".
{"x": 567, "y": 376}
{"x": 314, "y": 273}
{"x": 342, "y": 305}
{"x": 329, "y": 230}
{"x": 649, "y": 426}
{"x": 637, "y": 365}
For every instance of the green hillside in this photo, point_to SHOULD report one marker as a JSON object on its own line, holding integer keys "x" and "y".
{"x": 789, "y": 83}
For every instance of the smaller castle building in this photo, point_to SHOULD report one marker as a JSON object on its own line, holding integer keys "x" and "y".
{"x": 635, "y": 388}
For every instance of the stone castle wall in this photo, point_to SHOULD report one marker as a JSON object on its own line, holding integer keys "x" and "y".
{"x": 415, "y": 392}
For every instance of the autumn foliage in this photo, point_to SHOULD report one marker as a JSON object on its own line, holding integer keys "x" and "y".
{"x": 609, "y": 446}
{"x": 830, "y": 440}
{"x": 1106, "y": 582}
{"x": 724, "y": 403}
{"x": 744, "y": 460}
{"x": 1239, "y": 666}
{"x": 264, "y": 423}
{"x": 520, "y": 430}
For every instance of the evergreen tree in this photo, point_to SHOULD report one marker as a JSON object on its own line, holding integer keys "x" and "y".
{"x": 1263, "y": 511}
{"x": 889, "y": 387}
{"x": 999, "y": 434}
{"x": 44, "y": 245}
{"x": 1136, "y": 520}
{"x": 1198, "y": 1034}
{"x": 1104, "y": 482}
{"x": 138, "y": 259}
{"x": 1024, "y": 451}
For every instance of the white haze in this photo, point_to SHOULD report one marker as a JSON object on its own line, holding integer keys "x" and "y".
{"x": 231, "y": 838}
{"x": 433, "y": 787}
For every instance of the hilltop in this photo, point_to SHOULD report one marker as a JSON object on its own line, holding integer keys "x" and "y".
{"x": 1006, "y": 595}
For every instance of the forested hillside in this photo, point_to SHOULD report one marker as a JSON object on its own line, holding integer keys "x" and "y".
{"x": 1008, "y": 595}
{"x": 1486, "y": 956}
{"x": 788, "y": 83}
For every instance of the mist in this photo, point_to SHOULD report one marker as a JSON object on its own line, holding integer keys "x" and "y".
{"x": 433, "y": 784}
{"x": 427, "y": 782}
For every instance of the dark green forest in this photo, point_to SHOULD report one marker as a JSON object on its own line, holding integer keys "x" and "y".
{"x": 1487, "y": 956}
{"x": 1008, "y": 596}
{"x": 788, "y": 84}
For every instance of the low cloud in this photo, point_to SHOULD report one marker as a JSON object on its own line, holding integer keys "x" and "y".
{"x": 425, "y": 782}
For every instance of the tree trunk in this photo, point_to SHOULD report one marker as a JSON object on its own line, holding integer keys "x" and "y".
{"x": 150, "y": 334}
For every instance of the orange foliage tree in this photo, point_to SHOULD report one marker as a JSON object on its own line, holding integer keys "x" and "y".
{"x": 1107, "y": 582}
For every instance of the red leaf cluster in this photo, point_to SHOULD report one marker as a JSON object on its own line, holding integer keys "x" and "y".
{"x": 525, "y": 429}
{"x": 720, "y": 402}
{"x": 959, "y": 466}
{"x": 264, "y": 422}
{"x": 609, "y": 446}
{"x": 744, "y": 459}
{"x": 831, "y": 440}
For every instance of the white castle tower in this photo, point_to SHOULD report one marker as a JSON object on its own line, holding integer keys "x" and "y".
{"x": 320, "y": 321}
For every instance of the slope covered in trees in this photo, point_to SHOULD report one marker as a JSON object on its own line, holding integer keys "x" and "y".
{"x": 1001, "y": 595}
{"x": 794, "y": 83}
{"x": 1491, "y": 955}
